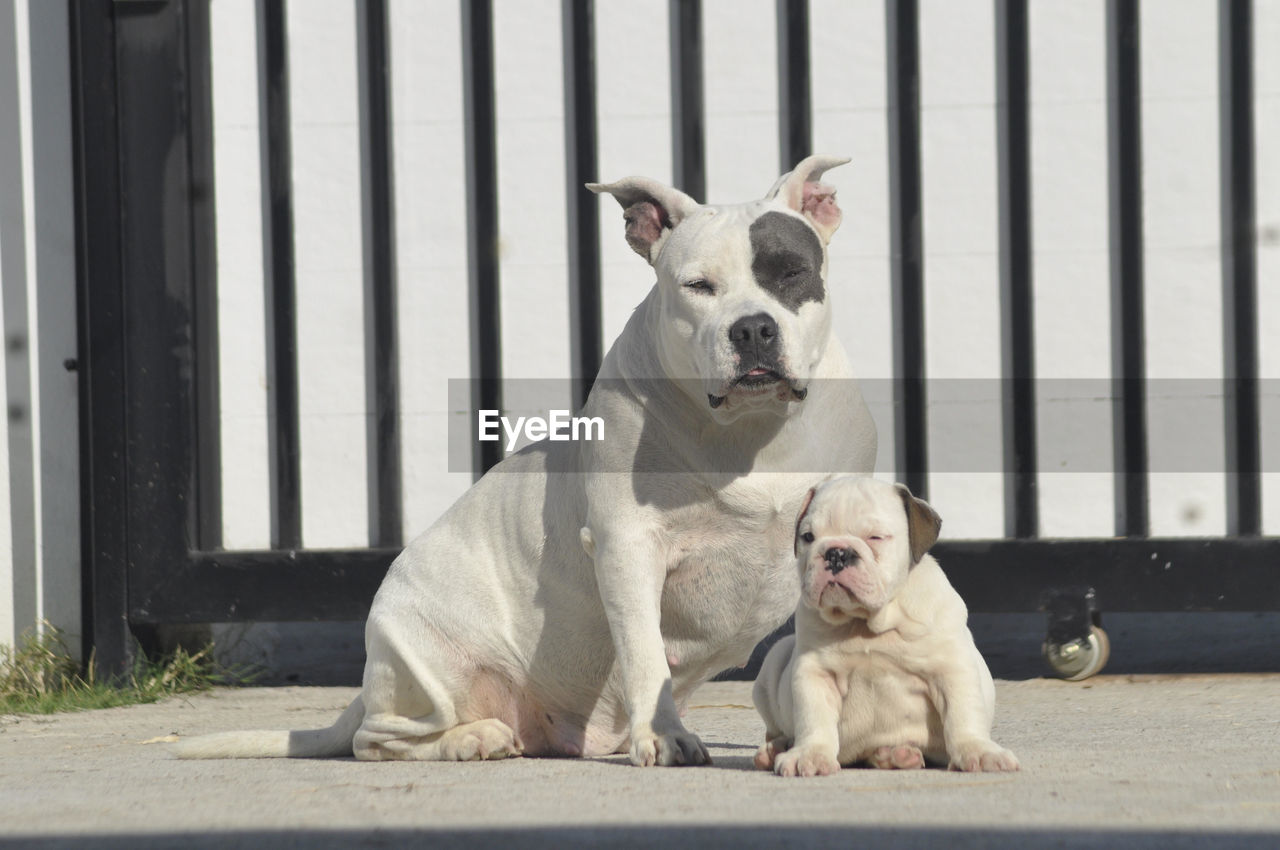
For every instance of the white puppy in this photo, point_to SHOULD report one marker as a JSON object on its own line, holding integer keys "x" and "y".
{"x": 882, "y": 668}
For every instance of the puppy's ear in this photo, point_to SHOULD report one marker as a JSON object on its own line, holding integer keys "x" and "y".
{"x": 923, "y": 523}
{"x": 804, "y": 509}
{"x": 650, "y": 209}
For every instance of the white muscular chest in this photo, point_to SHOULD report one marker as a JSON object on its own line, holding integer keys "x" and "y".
{"x": 730, "y": 578}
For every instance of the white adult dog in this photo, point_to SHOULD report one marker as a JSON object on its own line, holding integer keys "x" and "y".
{"x": 570, "y": 602}
{"x": 882, "y": 668}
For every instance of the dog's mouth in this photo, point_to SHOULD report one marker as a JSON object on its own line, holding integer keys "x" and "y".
{"x": 836, "y": 595}
{"x": 760, "y": 381}
{"x": 757, "y": 377}
{"x": 837, "y": 603}
{"x": 849, "y": 591}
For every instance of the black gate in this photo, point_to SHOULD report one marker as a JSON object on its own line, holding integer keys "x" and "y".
{"x": 148, "y": 337}
{"x": 148, "y": 326}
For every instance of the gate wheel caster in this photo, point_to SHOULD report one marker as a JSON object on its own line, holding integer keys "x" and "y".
{"x": 1075, "y": 647}
{"x": 1080, "y": 658}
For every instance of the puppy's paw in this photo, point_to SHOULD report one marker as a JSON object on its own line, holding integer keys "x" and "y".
{"x": 805, "y": 761}
{"x": 674, "y": 747}
{"x": 983, "y": 756}
{"x": 769, "y": 751}
{"x": 480, "y": 741}
{"x": 903, "y": 757}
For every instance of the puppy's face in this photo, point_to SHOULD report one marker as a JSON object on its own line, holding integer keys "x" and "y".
{"x": 856, "y": 540}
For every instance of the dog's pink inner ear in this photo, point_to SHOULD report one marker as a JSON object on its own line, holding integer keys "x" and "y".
{"x": 819, "y": 204}
{"x": 645, "y": 222}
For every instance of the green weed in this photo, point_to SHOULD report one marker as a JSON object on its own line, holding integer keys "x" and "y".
{"x": 40, "y": 676}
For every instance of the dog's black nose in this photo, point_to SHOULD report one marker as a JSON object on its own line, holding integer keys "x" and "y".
{"x": 756, "y": 333}
{"x": 837, "y": 559}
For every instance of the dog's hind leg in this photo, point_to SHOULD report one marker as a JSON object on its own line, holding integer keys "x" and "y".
{"x": 411, "y": 707}
{"x": 474, "y": 741}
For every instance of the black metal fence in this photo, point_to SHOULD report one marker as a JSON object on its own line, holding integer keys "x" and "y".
{"x": 148, "y": 326}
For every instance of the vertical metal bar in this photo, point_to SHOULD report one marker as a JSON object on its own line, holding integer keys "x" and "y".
{"x": 1017, "y": 318}
{"x": 906, "y": 243}
{"x": 688, "y": 108}
{"x": 277, "y": 247}
{"x": 1239, "y": 266}
{"x": 586, "y": 345}
{"x": 158, "y": 262}
{"x": 207, "y": 469}
{"x": 482, "y": 218}
{"x": 1128, "y": 337}
{"x": 100, "y": 358}
{"x": 795, "y": 108}
{"x": 382, "y": 349}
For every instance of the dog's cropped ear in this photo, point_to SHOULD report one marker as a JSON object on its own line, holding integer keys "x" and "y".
{"x": 650, "y": 209}
{"x": 804, "y": 509}
{"x": 800, "y": 190}
{"x": 923, "y": 523}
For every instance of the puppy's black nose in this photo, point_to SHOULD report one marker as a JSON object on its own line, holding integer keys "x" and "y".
{"x": 837, "y": 559}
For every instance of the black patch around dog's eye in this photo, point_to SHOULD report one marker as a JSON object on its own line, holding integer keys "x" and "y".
{"x": 786, "y": 259}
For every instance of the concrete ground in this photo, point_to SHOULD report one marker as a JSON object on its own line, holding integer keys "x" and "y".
{"x": 1156, "y": 761}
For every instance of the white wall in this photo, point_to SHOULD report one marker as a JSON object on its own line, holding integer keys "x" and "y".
{"x": 1068, "y": 62}
{"x": 39, "y": 509}
{"x": 960, "y": 236}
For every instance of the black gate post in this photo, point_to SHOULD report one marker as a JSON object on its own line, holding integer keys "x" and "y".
{"x": 906, "y": 245}
{"x": 1239, "y": 266}
{"x": 478, "y": 100}
{"x": 688, "y": 99}
{"x": 137, "y": 257}
{"x": 1017, "y": 292}
{"x": 1128, "y": 328}
{"x": 586, "y": 347}
{"x": 104, "y": 585}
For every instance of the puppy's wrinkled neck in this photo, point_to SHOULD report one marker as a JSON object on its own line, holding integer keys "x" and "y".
{"x": 889, "y": 618}
{"x": 893, "y": 617}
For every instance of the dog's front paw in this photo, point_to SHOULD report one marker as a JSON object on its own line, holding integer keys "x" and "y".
{"x": 983, "y": 756}
{"x": 805, "y": 761}
{"x": 674, "y": 747}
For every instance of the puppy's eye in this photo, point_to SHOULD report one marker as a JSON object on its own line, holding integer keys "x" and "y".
{"x": 701, "y": 285}
{"x": 793, "y": 273}
{"x": 875, "y": 537}
{"x": 807, "y": 537}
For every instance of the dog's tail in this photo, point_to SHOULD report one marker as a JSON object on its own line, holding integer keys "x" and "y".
{"x": 307, "y": 743}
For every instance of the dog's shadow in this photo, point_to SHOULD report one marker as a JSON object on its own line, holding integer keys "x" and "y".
{"x": 735, "y": 762}
{"x": 719, "y": 761}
